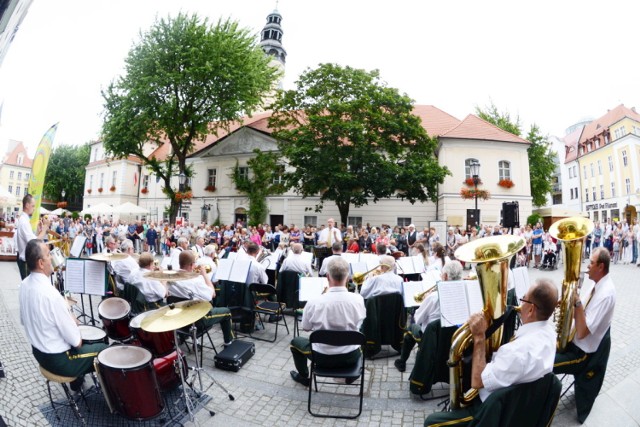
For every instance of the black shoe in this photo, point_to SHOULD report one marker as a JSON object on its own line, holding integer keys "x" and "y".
{"x": 76, "y": 385}
{"x": 400, "y": 365}
{"x": 351, "y": 380}
{"x": 273, "y": 318}
{"x": 299, "y": 378}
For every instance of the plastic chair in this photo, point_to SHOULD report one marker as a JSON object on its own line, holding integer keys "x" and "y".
{"x": 337, "y": 339}
{"x": 262, "y": 306}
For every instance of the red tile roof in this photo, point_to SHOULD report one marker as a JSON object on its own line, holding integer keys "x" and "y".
{"x": 597, "y": 126}
{"x": 571, "y": 144}
{"x": 435, "y": 121}
{"x": 473, "y": 127}
{"x": 12, "y": 157}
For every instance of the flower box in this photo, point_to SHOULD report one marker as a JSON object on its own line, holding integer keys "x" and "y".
{"x": 144, "y": 190}
{"x": 470, "y": 183}
{"x": 100, "y": 190}
{"x": 89, "y": 191}
{"x": 210, "y": 188}
{"x": 471, "y": 194}
{"x": 113, "y": 188}
{"x": 506, "y": 183}
{"x": 62, "y": 205}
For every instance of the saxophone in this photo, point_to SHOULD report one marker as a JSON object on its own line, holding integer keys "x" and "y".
{"x": 571, "y": 232}
{"x": 492, "y": 255}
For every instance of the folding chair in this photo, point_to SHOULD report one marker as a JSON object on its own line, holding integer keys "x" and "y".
{"x": 337, "y": 339}
{"x": 261, "y": 293}
{"x": 384, "y": 324}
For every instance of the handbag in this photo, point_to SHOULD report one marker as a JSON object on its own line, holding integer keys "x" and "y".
{"x": 89, "y": 245}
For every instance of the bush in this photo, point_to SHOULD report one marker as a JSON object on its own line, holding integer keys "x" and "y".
{"x": 533, "y": 219}
{"x": 75, "y": 215}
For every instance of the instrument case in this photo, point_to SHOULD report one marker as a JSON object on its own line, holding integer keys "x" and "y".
{"x": 233, "y": 357}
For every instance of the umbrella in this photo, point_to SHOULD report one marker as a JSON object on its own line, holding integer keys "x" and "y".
{"x": 130, "y": 209}
{"x": 99, "y": 209}
{"x": 6, "y": 198}
{"x": 44, "y": 210}
{"x": 59, "y": 212}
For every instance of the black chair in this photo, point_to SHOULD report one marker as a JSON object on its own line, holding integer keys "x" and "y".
{"x": 431, "y": 359}
{"x": 524, "y": 405}
{"x": 337, "y": 339}
{"x": 384, "y": 324}
{"x": 288, "y": 288}
{"x": 136, "y": 299}
{"x": 185, "y": 333}
{"x": 261, "y": 293}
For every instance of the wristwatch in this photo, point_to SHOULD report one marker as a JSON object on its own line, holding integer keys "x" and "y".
{"x": 578, "y": 303}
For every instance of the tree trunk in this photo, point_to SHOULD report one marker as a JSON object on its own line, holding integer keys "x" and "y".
{"x": 343, "y": 208}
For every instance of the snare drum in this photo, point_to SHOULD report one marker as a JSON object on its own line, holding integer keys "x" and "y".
{"x": 57, "y": 259}
{"x": 167, "y": 371}
{"x": 114, "y": 313}
{"x": 129, "y": 382}
{"x": 159, "y": 343}
{"x": 92, "y": 335}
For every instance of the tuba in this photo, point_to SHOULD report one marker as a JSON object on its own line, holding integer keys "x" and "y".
{"x": 492, "y": 255}
{"x": 571, "y": 232}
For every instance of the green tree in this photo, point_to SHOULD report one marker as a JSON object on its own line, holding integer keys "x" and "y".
{"x": 541, "y": 156}
{"x": 66, "y": 171}
{"x": 184, "y": 79}
{"x": 264, "y": 181}
{"x": 350, "y": 139}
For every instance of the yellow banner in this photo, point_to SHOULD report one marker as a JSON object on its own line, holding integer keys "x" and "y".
{"x": 39, "y": 171}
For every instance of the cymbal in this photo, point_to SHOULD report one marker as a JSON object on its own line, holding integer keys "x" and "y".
{"x": 171, "y": 275}
{"x": 108, "y": 257}
{"x": 175, "y": 316}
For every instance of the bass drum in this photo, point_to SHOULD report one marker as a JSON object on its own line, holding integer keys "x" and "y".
{"x": 167, "y": 370}
{"x": 159, "y": 343}
{"x": 129, "y": 382}
{"x": 114, "y": 313}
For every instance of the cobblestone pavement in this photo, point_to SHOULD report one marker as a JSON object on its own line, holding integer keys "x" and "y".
{"x": 265, "y": 394}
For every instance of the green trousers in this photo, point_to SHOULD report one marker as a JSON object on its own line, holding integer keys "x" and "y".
{"x": 221, "y": 315}
{"x": 409, "y": 340}
{"x": 572, "y": 361}
{"x": 71, "y": 363}
{"x": 301, "y": 351}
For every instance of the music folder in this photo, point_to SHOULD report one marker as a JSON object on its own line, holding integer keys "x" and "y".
{"x": 86, "y": 276}
{"x": 411, "y": 289}
{"x": 458, "y": 300}
{"x": 311, "y": 287}
{"x": 410, "y": 265}
{"x": 233, "y": 270}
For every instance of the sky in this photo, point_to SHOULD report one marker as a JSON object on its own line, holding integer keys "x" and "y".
{"x": 552, "y": 63}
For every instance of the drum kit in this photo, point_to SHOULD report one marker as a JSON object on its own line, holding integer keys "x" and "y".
{"x": 147, "y": 359}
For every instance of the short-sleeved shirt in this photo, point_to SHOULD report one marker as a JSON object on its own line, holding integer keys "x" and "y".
{"x": 599, "y": 312}
{"x": 537, "y": 236}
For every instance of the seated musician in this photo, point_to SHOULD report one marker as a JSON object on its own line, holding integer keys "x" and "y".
{"x": 153, "y": 290}
{"x": 209, "y": 259}
{"x": 527, "y": 358}
{"x": 336, "y": 250}
{"x": 174, "y": 261}
{"x": 200, "y": 288}
{"x": 50, "y": 327}
{"x": 336, "y": 309}
{"x": 428, "y": 311}
{"x": 110, "y": 245}
{"x": 592, "y": 318}
{"x": 296, "y": 262}
{"x": 387, "y": 282}
{"x": 125, "y": 268}
{"x": 257, "y": 271}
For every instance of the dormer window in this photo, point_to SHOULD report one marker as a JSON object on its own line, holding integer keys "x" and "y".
{"x": 20, "y": 159}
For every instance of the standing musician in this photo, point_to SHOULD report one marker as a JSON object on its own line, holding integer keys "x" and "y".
{"x": 527, "y": 358}
{"x": 24, "y": 233}
{"x": 387, "y": 282}
{"x": 428, "y": 311}
{"x": 50, "y": 328}
{"x": 592, "y": 318}
{"x": 336, "y": 309}
{"x": 200, "y": 288}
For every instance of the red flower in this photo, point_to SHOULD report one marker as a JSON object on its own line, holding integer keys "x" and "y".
{"x": 210, "y": 188}
{"x": 89, "y": 191}
{"x": 506, "y": 183}
{"x": 471, "y": 194}
{"x": 113, "y": 188}
{"x": 470, "y": 183}
{"x": 100, "y": 190}
{"x": 144, "y": 190}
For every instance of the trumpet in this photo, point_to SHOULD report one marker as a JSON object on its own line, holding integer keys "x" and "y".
{"x": 358, "y": 278}
{"x": 421, "y": 296}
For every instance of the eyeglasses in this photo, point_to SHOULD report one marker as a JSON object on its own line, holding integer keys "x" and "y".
{"x": 530, "y": 302}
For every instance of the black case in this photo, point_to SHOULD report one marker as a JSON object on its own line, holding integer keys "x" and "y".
{"x": 235, "y": 356}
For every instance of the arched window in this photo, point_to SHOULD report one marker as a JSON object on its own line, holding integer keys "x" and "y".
{"x": 467, "y": 167}
{"x": 504, "y": 170}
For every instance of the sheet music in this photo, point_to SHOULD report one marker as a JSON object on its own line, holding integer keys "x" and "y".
{"x": 418, "y": 263}
{"x": 232, "y": 255}
{"x": 372, "y": 260}
{"x": 224, "y": 269}
{"x": 94, "y": 277}
{"x": 306, "y": 256}
{"x": 74, "y": 276}
{"x": 521, "y": 281}
{"x": 358, "y": 267}
{"x": 240, "y": 270}
{"x": 221, "y": 253}
{"x": 432, "y": 276}
{"x": 78, "y": 246}
{"x": 166, "y": 260}
{"x": 351, "y": 258}
{"x": 311, "y": 287}
{"x": 454, "y": 307}
{"x": 474, "y": 296}
{"x": 406, "y": 265}
{"x": 411, "y": 289}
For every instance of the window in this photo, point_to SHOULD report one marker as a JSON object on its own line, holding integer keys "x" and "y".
{"x": 584, "y": 171}
{"x": 620, "y": 132}
{"x": 278, "y": 177}
{"x": 601, "y": 191}
{"x": 19, "y": 176}
{"x": 594, "y": 194}
{"x": 145, "y": 181}
{"x": 571, "y": 189}
{"x": 102, "y": 180}
{"x": 595, "y": 215}
{"x": 243, "y": 171}
{"x": 354, "y": 220}
{"x": 10, "y": 188}
{"x": 467, "y": 168}
{"x": 575, "y": 171}
{"x": 624, "y": 157}
{"x": 20, "y": 159}
{"x": 599, "y": 167}
{"x": 610, "y": 163}
{"x": 211, "y": 177}
{"x": 17, "y": 190}
{"x": 613, "y": 189}
{"x": 113, "y": 178}
{"x": 586, "y": 194}
{"x": 571, "y": 174}
{"x": 592, "y": 174}
{"x": 26, "y": 190}
{"x": 27, "y": 176}
{"x": 404, "y": 222}
{"x": 11, "y": 175}
{"x": 311, "y": 220}
{"x": 504, "y": 170}
{"x": 575, "y": 190}
{"x": 627, "y": 184}
{"x": 90, "y": 181}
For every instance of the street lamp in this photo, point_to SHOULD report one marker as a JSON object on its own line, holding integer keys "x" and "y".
{"x": 474, "y": 168}
{"x": 181, "y": 180}
{"x": 63, "y": 194}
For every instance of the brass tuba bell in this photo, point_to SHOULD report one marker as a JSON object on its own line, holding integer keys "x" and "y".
{"x": 571, "y": 232}
{"x": 492, "y": 255}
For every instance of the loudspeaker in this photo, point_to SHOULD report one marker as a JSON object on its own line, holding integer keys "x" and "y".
{"x": 510, "y": 215}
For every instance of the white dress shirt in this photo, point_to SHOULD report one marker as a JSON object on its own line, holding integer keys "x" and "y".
{"x": 324, "y": 236}
{"x": 257, "y": 273}
{"x": 24, "y": 233}
{"x": 175, "y": 258}
{"x": 599, "y": 313}
{"x": 195, "y": 288}
{"x": 45, "y": 315}
{"x": 325, "y": 264}
{"x": 207, "y": 260}
{"x": 338, "y": 309}
{"x": 386, "y": 283}
{"x": 151, "y": 289}
{"x": 527, "y": 358}
{"x": 297, "y": 263}
{"x": 428, "y": 311}
{"x": 125, "y": 269}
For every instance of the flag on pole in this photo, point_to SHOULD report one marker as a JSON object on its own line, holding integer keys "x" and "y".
{"x": 39, "y": 171}
{"x": 135, "y": 179}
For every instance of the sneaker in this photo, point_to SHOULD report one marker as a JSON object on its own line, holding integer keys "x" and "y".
{"x": 299, "y": 378}
{"x": 227, "y": 344}
{"x": 400, "y": 365}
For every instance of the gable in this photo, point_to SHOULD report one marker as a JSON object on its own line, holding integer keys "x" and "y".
{"x": 242, "y": 141}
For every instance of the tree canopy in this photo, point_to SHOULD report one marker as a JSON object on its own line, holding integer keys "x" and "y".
{"x": 350, "y": 139}
{"x": 541, "y": 156}
{"x": 66, "y": 171}
{"x": 184, "y": 79}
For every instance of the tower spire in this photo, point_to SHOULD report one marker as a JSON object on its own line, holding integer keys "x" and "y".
{"x": 271, "y": 37}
